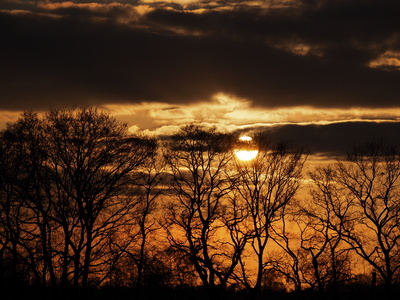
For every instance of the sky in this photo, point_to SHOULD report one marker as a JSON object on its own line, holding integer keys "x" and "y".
{"x": 322, "y": 73}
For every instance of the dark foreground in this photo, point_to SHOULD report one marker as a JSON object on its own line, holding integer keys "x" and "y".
{"x": 164, "y": 293}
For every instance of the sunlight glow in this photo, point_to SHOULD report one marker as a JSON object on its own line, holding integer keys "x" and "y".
{"x": 244, "y": 152}
{"x": 245, "y": 139}
{"x": 229, "y": 113}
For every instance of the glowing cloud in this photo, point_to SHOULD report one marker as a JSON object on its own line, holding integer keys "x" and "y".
{"x": 229, "y": 113}
{"x": 389, "y": 60}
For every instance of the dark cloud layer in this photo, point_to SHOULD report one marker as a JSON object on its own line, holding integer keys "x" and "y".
{"x": 336, "y": 140}
{"x": 75, "y": 54}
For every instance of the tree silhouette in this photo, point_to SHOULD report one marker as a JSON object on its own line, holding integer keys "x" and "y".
{"x": 371, "y": 179}
{"x": 17, "y": 170}
{"x": 327, "y": 214}
{"x": 27, "y": 209}
{"x": 199, "y": 159}
{"x": 140, "y": 240}
{"x": 265, "y": 186}
{"x": 74, "y": 167}
{"x": 87, "y": 207}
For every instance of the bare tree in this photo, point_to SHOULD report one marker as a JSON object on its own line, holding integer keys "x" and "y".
{"x": 149, "y": 189}
{"x": 371, "y": 180}
{"x": 141, "y": 238}
{"x": 265, "y": 187}
{"x": 310, "y": 235}
{"x": 11, "y": 212}
{"x": 69, "y": 189}
{"x": 199, "y": 159}
{"x": 290, "y": 260}
{"x": 91, "y": 157}
{"x": 327, "y": 214}
{"x": 28, "y": 228}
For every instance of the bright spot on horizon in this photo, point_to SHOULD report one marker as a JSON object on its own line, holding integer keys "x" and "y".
{"x": 245, "y": 138}
{"x": 246, "y": 153}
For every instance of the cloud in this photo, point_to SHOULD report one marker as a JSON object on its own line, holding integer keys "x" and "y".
{"x": 228, "y": 114}
{"x": 323, "y": 74}
{"x": 336, "y": 140}
{"x": 329, "y": 142}
{"x": 325, "y": 54}
{"x": 388, "y": 60}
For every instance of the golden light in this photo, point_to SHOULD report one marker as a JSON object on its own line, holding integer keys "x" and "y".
{"x": 245, "y": 139}
{"x": 246, "y": 150}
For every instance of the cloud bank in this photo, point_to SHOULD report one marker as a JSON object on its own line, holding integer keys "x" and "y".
{"x": 334, "y": 54}
{"x": 168, "y": 62}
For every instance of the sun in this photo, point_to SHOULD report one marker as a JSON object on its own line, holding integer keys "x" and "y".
{"x": 246, "y": 150}
{"x": 245, "y": 138}
{"x": 246, "y": 154}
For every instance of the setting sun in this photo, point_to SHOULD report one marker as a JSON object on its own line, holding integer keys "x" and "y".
{"x": 246, "y": 154}
{"x": 246, "y": 150}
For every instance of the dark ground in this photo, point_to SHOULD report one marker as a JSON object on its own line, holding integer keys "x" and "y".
{"x": 111, "y": 293}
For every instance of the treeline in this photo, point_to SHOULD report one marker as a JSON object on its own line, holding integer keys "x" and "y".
{"x": 87, "y": 208}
